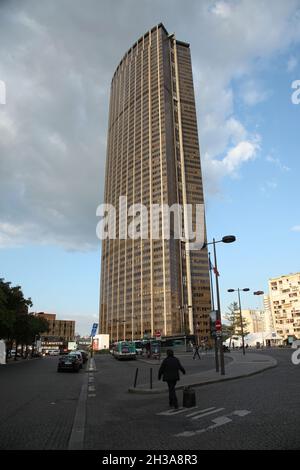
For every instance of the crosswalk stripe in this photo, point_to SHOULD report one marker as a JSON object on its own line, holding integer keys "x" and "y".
{"x": 241, "y": 413}
{"x": 172, "y": 412}
{"x": 219, "y": 422}
{"x": 208, "y": 413}
{"x": 200, "y": 411}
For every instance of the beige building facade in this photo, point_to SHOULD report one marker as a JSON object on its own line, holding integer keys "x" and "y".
{"x": 284, "y": 302}
{"x": 64, "y": 329}
{"x": 255, "y": 320}
{"x": 153, "y": 285}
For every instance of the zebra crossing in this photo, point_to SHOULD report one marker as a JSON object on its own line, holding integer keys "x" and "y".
{"x": 195, "y": 414}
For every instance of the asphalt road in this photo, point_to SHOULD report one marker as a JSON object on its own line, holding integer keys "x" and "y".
{"x": 259, "y": 412}
{"x": 38, "y": 408}
{"x": 37, "y": 405}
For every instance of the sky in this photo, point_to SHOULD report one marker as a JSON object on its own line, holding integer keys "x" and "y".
{"x": 56, "y": 62}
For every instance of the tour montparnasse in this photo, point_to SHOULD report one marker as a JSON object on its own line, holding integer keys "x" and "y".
{"x": 153, "y": 157}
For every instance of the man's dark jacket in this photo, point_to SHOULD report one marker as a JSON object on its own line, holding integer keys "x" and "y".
{"x": 170, "y": 369}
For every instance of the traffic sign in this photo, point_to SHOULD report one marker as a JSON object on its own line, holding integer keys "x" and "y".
{"x": 94, "y": 329}
{"x": 218, "y": 333}
{"x": 158, "y": 334}
{"x": 218, "y": 325}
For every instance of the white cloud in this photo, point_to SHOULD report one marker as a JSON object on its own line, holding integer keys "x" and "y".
{"x": 57, "y": 62}
{"x": 215, "y": 169}
{"x": 222, "y": 9}
{"x": 296, "y": 228}
{"x": 241, "y": 153}
{"x": 253, "y": 93}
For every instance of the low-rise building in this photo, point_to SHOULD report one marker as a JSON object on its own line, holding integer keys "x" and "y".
{"x": 255, "y": 320}
{"x": 63, "y": 329}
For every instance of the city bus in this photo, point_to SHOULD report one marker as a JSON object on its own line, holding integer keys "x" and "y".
{"x": 124, "y": 350}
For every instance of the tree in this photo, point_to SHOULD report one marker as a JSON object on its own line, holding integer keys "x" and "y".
{"x": 13, "y": 311}
{"x": 234, "y": 321}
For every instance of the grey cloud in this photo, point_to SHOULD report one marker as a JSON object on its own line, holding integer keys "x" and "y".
{"x": 57, "y": 59}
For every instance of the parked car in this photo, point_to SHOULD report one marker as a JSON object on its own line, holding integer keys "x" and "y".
{"x": 12, "y": 353}
{"x": 53, "y": 352}
{"x": 69, "y": 362}
{"x": 84, "y": 355}
{"x": 78, "y": 355}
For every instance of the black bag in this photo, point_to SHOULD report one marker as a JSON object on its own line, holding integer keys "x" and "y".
{"x": 189, "y": 398}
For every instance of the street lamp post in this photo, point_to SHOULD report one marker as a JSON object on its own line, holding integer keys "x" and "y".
{"x": 213, "y": 310}
{"x": 225, "y": 239}
{"x": 238, "y": 290}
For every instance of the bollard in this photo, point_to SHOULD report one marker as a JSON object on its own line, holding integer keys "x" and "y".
{"x": 136, "y": 376}
{"x": 189, "y": 397}
{"x": 151, "y": 378}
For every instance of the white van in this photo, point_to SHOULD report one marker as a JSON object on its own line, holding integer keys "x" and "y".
{"x": 53, "y": 352}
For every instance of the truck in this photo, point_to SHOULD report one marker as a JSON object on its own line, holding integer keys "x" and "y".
{"x": 72, "y": 346}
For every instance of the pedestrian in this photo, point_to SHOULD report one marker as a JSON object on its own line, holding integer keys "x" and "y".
{"x": 196, "y": 351}
{"x": 169, "y": 370}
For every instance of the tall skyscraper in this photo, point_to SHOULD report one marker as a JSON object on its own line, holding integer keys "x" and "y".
{"x": 153, "y": 285}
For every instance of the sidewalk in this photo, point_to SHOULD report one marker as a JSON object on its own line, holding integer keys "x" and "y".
{"x": 240, "y": 366}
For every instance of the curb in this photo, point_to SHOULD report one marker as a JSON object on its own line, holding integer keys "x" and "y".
{"x": 148, "y": 391}
{"x": 91, "y": 365}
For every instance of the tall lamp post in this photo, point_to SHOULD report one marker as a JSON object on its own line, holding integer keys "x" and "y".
{"x": 238, "y": 290}
{"x": 225, "y": 239}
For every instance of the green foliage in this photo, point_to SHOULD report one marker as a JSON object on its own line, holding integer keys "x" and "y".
{"x": 16, "y": 324}
{"x": 234, "y": 321}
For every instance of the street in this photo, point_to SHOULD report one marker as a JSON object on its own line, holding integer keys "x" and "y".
{"x": 37, "y": 404}
{"x": 39, "y": 408}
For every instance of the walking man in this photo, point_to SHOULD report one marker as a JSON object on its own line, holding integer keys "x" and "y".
{"x": 196, "y": 351}
{"x": 169, "y": 369}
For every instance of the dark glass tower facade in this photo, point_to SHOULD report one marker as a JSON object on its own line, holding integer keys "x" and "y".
{"x": 153, "y": 158}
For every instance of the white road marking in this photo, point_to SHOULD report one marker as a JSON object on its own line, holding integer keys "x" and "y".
{"x": 208, "y": 413}
{"x": 186, "y": 434}
{"x": 241, "y": 412}
{"x": 91, "y": 395}
{"x": 172, "y": 412}
{"x": 219, "y": 422}
{"x": 200, "y": 411}
{"x": 91, "y": 388}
